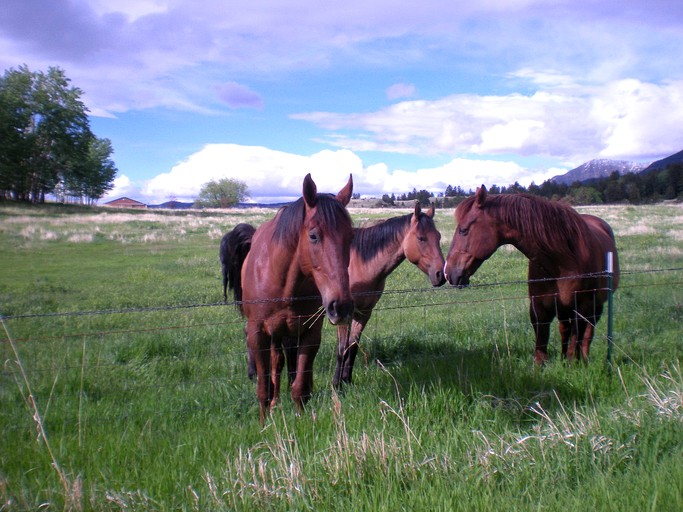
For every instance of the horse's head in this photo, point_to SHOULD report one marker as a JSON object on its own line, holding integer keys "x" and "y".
{"x": 476, "y": 238}
{"x": 422, "y": 245}
{"x": 325, "y": 242}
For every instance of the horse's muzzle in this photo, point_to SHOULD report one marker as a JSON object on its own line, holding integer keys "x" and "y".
{"x": 458, "y": 278}
{"x": 339, "y": 312}
{"x": 437, "y": 278}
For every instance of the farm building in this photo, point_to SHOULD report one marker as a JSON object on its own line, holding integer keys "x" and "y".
{"x": 125, "y": 202}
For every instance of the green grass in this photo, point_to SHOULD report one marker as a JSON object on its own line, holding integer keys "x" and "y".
{"x": 146, "y": 404}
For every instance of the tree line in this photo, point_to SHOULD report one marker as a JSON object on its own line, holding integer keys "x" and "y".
{"x": 656, "y": 185}
{"x": 47, "y": 145}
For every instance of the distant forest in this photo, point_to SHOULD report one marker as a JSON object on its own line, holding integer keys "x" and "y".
{"x": 653, "y": 186}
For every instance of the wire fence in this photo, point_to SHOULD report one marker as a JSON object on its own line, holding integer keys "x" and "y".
{"x": 78, "y": 360}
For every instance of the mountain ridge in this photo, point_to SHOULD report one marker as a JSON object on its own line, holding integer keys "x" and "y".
{"x": 603, "y": 167}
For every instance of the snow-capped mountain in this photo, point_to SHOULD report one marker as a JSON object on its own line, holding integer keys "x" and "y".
{"x": 598, "y": 168}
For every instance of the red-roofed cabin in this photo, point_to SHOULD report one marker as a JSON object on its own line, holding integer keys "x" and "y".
{"x": 125, "y": 202}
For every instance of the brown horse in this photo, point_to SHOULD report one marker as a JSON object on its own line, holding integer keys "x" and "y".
{"x": 376, "y": 251}
{"x": 567, "y": 257}
{"x": 296, "y": 265}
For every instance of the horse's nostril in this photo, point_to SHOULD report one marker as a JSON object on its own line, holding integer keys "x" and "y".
{"x": 338, "y": 311}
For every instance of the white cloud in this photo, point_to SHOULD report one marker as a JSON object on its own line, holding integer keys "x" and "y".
{"x": 621, "y": 119}
{"x": 271, "y": 176}
{"x": 639, "y": 118}
{"x": 122, "y": 187}
{"x": 276, "y": 176}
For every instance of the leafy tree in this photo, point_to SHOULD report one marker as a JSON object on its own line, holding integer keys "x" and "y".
{"x": 223, "y": 193}
{"x": 387, "y": 199}
{"x": 47, "y": 138}
{"x": 585, "y": 195}
{"x": 94, "y": 175}
{"x": 424, "y": 197}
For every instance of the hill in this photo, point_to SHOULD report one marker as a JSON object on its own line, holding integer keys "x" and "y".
{"x": 676, "y": 158}
{"x": 598, "y": 168}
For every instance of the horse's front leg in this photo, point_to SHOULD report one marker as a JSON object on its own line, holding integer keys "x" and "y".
{"x": 302, "y": 387}
{"x": 251, "y": 362}
{"x": 352, "y": 350}
{"x": 258, "y": 344}
{"x": 343, "y": 335}
{"x": 290, "y": 347}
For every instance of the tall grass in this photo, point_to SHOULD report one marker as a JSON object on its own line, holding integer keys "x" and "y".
{"x": 145, "y": 404}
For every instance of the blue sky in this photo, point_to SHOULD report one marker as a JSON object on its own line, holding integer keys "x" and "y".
{"x": 400, "y": 94}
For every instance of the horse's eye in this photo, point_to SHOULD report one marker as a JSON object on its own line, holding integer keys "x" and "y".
{"x": 422, "y": 239}
{"x": 313, "y": 236}
{"x": 463, "y": 231}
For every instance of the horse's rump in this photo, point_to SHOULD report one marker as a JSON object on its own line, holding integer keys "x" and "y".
{"x": 235, "y": 246}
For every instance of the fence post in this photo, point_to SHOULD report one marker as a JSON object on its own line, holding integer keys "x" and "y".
{"x": 610, "y": 291}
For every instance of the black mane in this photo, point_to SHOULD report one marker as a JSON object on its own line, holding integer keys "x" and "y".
{"x": 368, "y": 242}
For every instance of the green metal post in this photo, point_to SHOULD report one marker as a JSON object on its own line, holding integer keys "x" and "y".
{"x": 610, "y": 273}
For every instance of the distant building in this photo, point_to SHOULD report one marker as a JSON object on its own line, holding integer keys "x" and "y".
{"x": 125, "y": 202}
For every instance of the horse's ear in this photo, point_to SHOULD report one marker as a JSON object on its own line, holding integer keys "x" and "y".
{"x": 430, "y": 212}
{"x": 481, "y": 195}
{"x": 418, "y": 209}
{"x": 310, "y": 191}
{"x": 344, "y": 195}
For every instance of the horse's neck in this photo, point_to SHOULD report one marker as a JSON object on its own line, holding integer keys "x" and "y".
{"x": 285, "y": 262}
{"x": 550, "y": 260}
{"x": 383, "y": 263}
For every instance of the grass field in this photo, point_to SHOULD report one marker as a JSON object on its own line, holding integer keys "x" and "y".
{"x": 124, "y": 386}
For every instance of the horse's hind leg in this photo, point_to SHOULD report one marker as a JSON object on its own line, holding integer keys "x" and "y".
{"x": 587, "y": 337}
{"x": 577, "y": 347}
{"x": 587, "y": 316}
{"x": 586, "y": 340}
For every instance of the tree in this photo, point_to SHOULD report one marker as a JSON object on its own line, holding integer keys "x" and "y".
{"x": 223, "y": 193}
{"x": 46, "y": 137}
{"x": 94, "y": 174}
{"x": 585, "y": 195}
{"x": 387, "y": 200}
{"x": 424, "y": 197}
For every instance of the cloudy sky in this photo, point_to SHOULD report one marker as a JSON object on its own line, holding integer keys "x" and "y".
{"x": 402, "y": 95}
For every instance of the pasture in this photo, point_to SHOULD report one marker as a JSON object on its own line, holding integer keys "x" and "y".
{"x": 124, "y": 380}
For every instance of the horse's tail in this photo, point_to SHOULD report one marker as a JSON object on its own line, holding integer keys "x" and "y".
{"x": 235, "y": 246}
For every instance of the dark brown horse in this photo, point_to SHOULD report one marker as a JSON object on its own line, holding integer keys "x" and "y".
{"x": 567, "y": 261}
{"x": 296, "y": 265}
{"x": 376, "y": 251}
{"x": 238, "y": 240}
